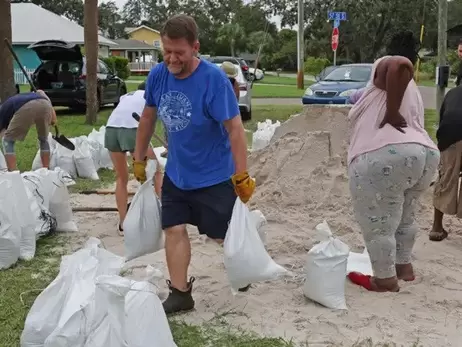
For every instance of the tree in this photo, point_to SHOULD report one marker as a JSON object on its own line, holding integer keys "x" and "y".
{"x": 91, "y": 55}
{"x": 260, "y": 38}
{"x": 110, "y": 21}
{"x": 233, "y": 35}
{"x": 7, "y": 88}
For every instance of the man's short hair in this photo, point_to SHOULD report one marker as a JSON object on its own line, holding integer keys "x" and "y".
{"x": 181, "y": 26}
{"x": 460, "y": 41}
{"x": 142, "y": 86}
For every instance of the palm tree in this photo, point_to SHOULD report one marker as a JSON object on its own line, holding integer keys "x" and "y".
{"x": 6, "y": 66}
{"x": 231, "y": 34}
{"x": 91, "y": 53}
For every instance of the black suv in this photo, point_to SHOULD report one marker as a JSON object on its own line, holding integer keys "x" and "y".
{"x": 62, "y": 75}
{"x": 239, "y": 61}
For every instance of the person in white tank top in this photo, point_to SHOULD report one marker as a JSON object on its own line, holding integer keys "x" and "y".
{"x": 120, "y": 138}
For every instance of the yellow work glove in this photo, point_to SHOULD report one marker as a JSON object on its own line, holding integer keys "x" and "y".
{"x": 139, "y": 170}
{"x": 244, "y": 185}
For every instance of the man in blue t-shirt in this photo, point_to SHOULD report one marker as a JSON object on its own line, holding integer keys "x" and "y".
{"x": 17, "y": 115}
{"x": 207, "y": 150}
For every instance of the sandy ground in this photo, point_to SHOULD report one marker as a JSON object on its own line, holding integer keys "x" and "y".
{"x": 302, "y": 180}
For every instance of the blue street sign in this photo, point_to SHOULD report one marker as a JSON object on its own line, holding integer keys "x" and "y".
{"x": 340, "y": 16}
{"x": 336, "y": 23}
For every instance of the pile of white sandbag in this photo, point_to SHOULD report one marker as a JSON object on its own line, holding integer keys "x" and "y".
{"x": 32, "y": 204}
{"x": 265, "y": 131}
{"x": 89, "y": 305}
{"x": 89, "y": 155}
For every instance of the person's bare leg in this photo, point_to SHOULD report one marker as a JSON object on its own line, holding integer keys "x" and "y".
{"x": 11, "y": 162}
{"x": 438, "y": 233}
{"x": 45, "y": 157}
{"x": 119, "y": 160}
{"x": 178, "y": 254}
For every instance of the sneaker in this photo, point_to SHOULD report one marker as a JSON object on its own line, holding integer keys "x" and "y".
{"x": 120, "y": 230}
{"x": 177, "y": 300}
{"x": 244, "y": 289}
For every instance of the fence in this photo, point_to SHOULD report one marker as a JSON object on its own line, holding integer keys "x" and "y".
{"x": 141, "y": 66}
{"x": 19, "y": 77}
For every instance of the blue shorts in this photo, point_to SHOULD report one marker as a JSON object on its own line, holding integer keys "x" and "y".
{"x": 209, "y": 209}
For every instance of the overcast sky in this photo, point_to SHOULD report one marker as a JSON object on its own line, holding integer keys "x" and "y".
{"x": 120, "y": 4}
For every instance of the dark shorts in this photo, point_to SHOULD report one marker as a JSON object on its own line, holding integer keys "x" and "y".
{"x": 209, "y": 209}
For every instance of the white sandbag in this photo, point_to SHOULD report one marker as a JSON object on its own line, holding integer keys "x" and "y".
{"x": 64, "y": 309}
{"x": 360, "y": 262}
{"x": 245, "y": 257}
{"x": 104, "y": 155}
{"x": 3, "y": 166}
{"x": 65, "y": 159}
{"x": 61, "y": 209}
{"x": 158, "y": 151}
{"x": 39, "y": 189}
{"x": 258, "y": 219}
{"x": 10, "y": 229}
{"x": 326, "y": 269}
{"x": 151, "y": 167}
{"x": 23, "y": 212}
{"x": 95, "y": 150}
{"x": 262, "y": 137}
{"x": 142, "y": 225}
{"x": 83, "y": 160}
{"x": 146, "y": 322}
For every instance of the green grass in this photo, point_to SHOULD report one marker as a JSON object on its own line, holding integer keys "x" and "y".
{"x": 269, "y": 91}
{"x": 290, "y": 81}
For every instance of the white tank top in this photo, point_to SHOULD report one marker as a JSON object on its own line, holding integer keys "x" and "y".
{"x": 121, "y": 116}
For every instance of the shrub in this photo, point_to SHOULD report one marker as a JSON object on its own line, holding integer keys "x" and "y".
{"x": 428, "y": 67}
{"x": 314, "y": 65}
{"x": 118, "y": 65}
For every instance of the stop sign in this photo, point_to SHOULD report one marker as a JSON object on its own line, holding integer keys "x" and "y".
{"x": 335, "y": 35}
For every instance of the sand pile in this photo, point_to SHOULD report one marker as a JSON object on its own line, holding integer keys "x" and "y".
{"x": 302, "y": 180}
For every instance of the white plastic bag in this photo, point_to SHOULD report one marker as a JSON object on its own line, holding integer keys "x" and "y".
{"x": 3, "y": 166}
{"x": 39, "y": 189}
{"x": 262, "y": 137}
{"x": 146, "y": 322}
{"x": 60, "y": 208}
{"x": 326, "y": 269}
{"x": 245, "y": 257}
{"x": 10, "y": 228}
{"x": 24, "y": 216}
{"x": 151, "y": 167}
{"x": 360, "y": 262}
{"x": 104, "y": 157}
{"x": 65, "y": 159}
{"x": 83, "y": 160}
{"x": 37, "y": 163}
{"x": 258, "y": 219}
{"x": 142, "y": 225}
{"x": 162, "y": 161}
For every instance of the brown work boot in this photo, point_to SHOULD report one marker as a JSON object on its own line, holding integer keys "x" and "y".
{"x": 179, "y": 301}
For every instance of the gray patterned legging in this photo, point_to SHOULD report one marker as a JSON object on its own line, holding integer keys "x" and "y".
{"x": 384, "y": 186}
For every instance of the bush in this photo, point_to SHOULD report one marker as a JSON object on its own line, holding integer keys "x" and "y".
{"x": 314, "y": 66}
{"x": 428, "y": 67}
{"x": 118, "y": 65}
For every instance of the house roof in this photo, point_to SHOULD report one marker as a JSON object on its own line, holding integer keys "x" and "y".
{"x": 130, "y": 30}
{"x": 32, "y": 23}
{"x": 132, "y": 45}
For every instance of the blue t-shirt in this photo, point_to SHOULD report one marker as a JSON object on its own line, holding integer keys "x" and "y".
{"x": 12, "y": 105}
{"x": 193, "y": 111}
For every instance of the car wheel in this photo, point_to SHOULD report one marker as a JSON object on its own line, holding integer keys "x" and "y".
{"x": 246, "y": 115}
{"x": 122, "y": 91}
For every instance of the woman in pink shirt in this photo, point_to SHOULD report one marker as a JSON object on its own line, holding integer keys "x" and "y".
{"x": 392, "y": 161}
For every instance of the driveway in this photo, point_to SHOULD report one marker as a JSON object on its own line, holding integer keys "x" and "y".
{"x": 428, "y": 96}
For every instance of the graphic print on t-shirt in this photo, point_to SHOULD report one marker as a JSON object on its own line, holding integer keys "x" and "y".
{"x": 175, "y": 111}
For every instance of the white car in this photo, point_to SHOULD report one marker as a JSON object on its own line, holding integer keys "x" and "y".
{"x": 257, "y": 74}
{"x": 245, "y": 96}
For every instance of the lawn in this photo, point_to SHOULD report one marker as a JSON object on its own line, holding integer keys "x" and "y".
{"x": 272, "y": 91}
{"x": 21, "y": 284}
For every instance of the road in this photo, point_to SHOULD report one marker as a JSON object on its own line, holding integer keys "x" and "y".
{"x": 428, "y": 96}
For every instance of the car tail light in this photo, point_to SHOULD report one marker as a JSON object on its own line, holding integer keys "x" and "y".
{"x": 243, "y": 87}
{"x": 82, "y": 77}
{"x": 245, "y": 68}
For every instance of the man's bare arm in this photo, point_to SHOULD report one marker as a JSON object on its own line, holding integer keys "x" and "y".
{"x": 145, "y": 130}
{"x": 238, "y": 142}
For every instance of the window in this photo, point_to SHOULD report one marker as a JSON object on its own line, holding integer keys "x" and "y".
{"x": 103, "y": 69}
{"x": 156, "y": 43}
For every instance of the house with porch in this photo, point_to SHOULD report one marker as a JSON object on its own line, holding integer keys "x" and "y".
{"x": 31, "y": 23}
{"x": 141, "y": 56}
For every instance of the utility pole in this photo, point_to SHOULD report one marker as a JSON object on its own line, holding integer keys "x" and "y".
{"x": 301, "y": 46}
{"x": 442, "y": 47}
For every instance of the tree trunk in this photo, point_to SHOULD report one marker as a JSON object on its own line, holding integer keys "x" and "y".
{"x": 7, "y": 88}
{"x": 91, "y": 53}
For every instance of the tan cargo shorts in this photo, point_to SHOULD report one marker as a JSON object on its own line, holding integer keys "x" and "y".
{"x": 38, "y": 112}
{"x": 447, "y": 193}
